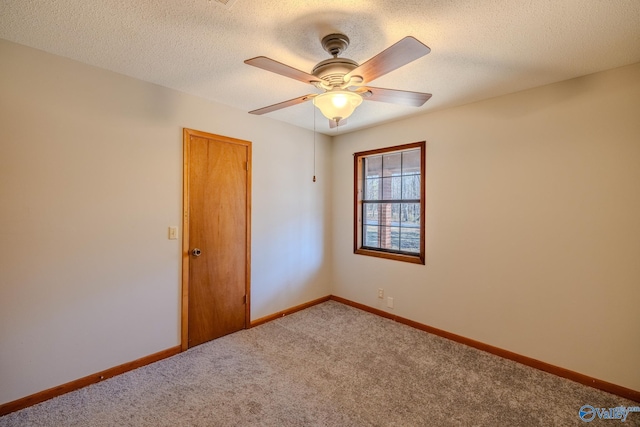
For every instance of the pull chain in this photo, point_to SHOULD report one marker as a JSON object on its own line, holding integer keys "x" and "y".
{"x": 314, "y": 142}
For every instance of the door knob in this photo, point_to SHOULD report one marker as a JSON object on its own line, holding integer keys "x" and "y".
{"x": 196, "y": 252}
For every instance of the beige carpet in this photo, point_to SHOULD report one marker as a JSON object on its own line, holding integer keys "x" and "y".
{"x": 329, "y": 365}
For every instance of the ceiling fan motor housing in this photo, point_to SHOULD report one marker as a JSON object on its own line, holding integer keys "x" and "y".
{"x": 333, "y": 70}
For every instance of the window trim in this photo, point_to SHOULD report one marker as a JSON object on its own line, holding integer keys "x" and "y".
{"x": 357, "y": 213}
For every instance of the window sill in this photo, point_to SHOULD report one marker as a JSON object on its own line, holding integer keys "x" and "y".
{"x": 414, "y": 259}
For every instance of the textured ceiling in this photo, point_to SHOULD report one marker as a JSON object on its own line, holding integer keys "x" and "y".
{"x": 480, "y": 49}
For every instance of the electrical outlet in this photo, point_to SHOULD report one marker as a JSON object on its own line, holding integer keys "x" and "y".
{"x": 390, "y": 302}
{"x": 380, "y": 293}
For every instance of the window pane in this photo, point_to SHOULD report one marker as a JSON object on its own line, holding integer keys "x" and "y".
{"x": 392, "y": 188}
{"x": 410, "y": 227}
{"x": 411, "y": 162}
{"x": 384, "y": 213}
{"x": 372, "y": 189}
{"x": 373, "y": 166}
{"x": 370, "y": 236}
{"x": 391, "y": 164}
{"x": 390, "y": 238}
{"x": 395, "y": 213}
{"x": 383, "y": 238}
{"x": 408, "y": 244}
{"x": 411, "y": 187}
{"x": 371, "y": 213}
{"x": 410, "y": 217}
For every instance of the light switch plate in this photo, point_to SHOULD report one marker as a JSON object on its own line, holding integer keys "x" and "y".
{"x": 173, "y": 233}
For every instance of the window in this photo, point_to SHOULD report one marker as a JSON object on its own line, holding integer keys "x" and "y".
{"x": 389, "y": 202}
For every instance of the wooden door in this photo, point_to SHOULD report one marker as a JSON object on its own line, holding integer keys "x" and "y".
{"x": 216, "y": 237}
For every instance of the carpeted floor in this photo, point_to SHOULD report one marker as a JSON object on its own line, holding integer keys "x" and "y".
{"x": 329, "y": 365}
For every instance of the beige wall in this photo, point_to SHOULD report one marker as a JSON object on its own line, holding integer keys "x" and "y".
{"x": 533, "y": 224}
{"x": 90, "y": 179}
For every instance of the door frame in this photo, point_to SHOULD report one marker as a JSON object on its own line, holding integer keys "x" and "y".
{"x": 186, "y": 136}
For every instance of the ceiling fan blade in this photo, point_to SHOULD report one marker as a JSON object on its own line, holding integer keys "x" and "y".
{"x": 333, "y": 124}
{"x": 395, "y": 56}
{"x": 282, "y": 69}
{"x": 394, "y": 96}
{"x": 278, "y": 106}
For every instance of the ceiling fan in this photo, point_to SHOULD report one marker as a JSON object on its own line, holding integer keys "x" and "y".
{"x": 345, "y": 82}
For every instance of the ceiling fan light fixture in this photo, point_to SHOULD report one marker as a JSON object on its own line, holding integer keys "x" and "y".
{"x": 337, "y": 104}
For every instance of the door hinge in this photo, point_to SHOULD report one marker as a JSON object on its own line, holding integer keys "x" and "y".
{"x": 244, "y": 300}
{"x": 246, "y": 166}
